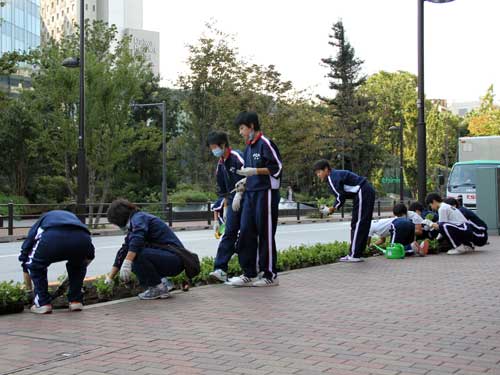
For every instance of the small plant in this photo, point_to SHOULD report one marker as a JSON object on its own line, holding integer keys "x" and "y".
{"x": 12, "y": 293}
{"x": 104, "y": 290}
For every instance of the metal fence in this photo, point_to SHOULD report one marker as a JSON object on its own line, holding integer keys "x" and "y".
{"x": 22, "y": 216}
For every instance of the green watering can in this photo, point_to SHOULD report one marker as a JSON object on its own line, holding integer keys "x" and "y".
{"x": 393, "y": 251}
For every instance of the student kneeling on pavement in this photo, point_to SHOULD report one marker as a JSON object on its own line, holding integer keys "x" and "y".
{"x": 146, "y": 249}
{"x": 478, "y": 226}
{"x": 404, "y": 229}
{"x": 57, "y": 236}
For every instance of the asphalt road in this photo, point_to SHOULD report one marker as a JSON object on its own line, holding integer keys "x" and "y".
{"x": 202, "y": 242}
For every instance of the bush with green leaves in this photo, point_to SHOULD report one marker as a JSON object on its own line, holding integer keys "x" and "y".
{"x": 186, "y": 193}
{"x": 12, "y": 293}
{"x": 18, "y": 210}
{"x": 104, "y": 290}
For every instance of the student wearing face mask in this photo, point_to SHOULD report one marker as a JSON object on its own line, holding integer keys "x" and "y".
{"x": 259, "y": 217}
{"x": 145, "y": 250}
{"x": 229, "y": 161}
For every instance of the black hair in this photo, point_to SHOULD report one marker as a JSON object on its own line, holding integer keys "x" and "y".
{"x": 119, "y": 212}
{"x": 247, "y": 119}
{"x": 400, "y": 210}
{"x": 451, "y": 201}
{"x": 217, "y": 138}
{"x": 433, "y": 197}
{"x": 416, "y": 206}
{"x": 321, "y": 165}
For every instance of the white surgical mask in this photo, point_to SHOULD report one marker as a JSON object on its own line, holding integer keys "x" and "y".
{"x": 218, "y": 152}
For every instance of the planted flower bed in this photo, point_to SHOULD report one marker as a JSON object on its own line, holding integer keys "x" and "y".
{"x": 13, "y": 297}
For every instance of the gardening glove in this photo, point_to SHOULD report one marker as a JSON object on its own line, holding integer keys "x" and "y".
{"x": 241, "y": 185}
{"x": 247, "y": 171}
{"x": 427, "y": 225}
{"x": 108, "y": 280}
{"x": 237, "y": 201}
{"x": 126, "y": 271}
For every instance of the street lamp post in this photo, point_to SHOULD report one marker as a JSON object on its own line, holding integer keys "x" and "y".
{"x": 79, "y": 62}
{"x": 421, "y": 136}
{"x": 401, "y": 175}
{"x": 161, "y": 106}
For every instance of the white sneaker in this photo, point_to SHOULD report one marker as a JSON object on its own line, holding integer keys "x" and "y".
{"x": 75, "y": 306}
{"x": 45, "y": 309}
{"x": 458, "y": 250}
{"x": 218, "y": 275}
{"x": 468, "y": 249}
{"x": 350, "y": 259}
{"x": 241, "y": 281}
{"x": 168, "y": 283}
{"x": 262, "y": 282}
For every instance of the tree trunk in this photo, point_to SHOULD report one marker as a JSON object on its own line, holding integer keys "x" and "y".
{"x": 69, "y": 179}
{"x": 105, "y": 191}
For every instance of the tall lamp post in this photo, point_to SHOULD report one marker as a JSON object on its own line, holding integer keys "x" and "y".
{"x": 421, "y": 136}
{"x": 79, "y": 62}
{"x": 401, "y": 175}
{"x": 161, "y": 106}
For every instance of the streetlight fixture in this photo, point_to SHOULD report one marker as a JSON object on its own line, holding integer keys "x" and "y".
{"x": 162, "y": 107}
{"x": 421, "y": 136}
{"x": 401, "y": 176}
{"x": 79, "y": 62}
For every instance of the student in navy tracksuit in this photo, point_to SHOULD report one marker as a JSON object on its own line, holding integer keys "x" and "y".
{"x": 348, "y": 185}
{"x": 229, "y": 162}
{"x": 259, "y": 217}
{"x": 478, "y": 226}
{"x": 55, "y": 237}
{"x": 139, "y": 254}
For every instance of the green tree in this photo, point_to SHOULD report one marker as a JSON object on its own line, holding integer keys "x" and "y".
{"x": 348, "y": 108}
{"x": 485, "y": 120}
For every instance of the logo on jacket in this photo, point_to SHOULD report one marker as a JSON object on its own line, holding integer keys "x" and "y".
{"x": 256, "y": 156}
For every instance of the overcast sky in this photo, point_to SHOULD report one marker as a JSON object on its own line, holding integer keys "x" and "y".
{"x": 462, "y": 54}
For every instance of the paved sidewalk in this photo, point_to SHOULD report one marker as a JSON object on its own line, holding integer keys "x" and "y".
{"x": 433, "y": 315}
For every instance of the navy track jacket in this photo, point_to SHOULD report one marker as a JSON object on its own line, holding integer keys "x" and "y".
{"x": 263, "y": 153}
{"x": 344, "y": 185}
{"x": 51, "y": 219}
{"x": 226, "y": 173}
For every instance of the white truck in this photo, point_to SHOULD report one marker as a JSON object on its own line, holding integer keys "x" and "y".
{"x": 473, "y": 153}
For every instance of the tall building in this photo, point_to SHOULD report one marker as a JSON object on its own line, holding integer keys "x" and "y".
{"x": 20, "y": 31}
{"x": 60, "y": 16}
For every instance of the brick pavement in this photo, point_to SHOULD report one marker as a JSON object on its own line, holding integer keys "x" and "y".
{"x": 433, "y": 315}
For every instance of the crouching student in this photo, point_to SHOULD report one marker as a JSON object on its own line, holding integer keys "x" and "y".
{"x": 452, "y": 225}
{"x": 477, "y": 225}
{"x": 348, "y": 185}
{"x": 426, "y": 216}
{"x": 146, "y": 249}
{"x": 57, "y": 236}
{"x": 405, "y": 229}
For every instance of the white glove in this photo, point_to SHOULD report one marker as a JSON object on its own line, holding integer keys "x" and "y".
{"x": 241, "y": 185}
{"x": 108, "y": 280}
{"x": 237, "y": 201}
{"x": 216, "y": 226}
{"x": 325, "y": 211}
{"x": 126, "y": 271}
{"x": 247, "y": 171}
{"x": 428, "y": 224}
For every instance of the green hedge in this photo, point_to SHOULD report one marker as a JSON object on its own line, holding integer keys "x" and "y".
{"x": 292, "y": 258}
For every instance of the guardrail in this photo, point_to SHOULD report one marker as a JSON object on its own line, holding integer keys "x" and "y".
{"x": 22, "y": 216}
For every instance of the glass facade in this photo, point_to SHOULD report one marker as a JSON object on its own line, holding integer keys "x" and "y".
{"x": 19, "y": 25}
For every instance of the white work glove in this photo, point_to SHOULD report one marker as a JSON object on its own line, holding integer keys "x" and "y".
{"x": 428, "y": 224}
{"x": 237, "y": 201}
{"x": 126, "y": 271}
{"x": 241, "y": 185}
{"x": 108, "y": 280}
{"x": 247, "y": 171}
{"x": 325, "y": 210}
{"x": 216, "y": 226}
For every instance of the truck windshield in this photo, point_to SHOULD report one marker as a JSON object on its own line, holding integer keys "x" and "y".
{"x": 465, "y": 175}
